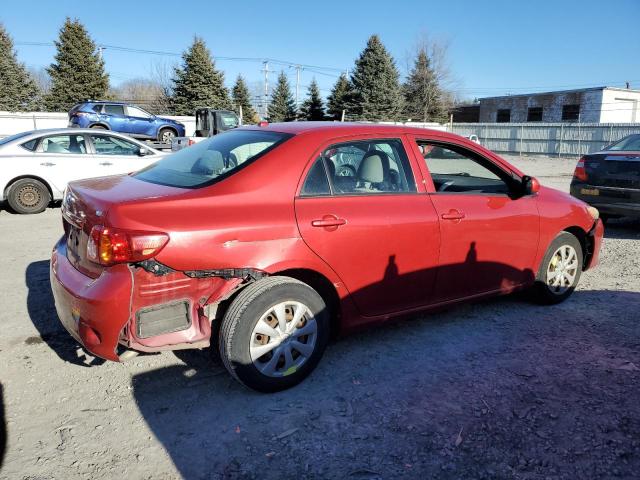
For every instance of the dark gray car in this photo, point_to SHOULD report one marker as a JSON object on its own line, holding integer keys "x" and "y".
{"x": 610, "y": 179}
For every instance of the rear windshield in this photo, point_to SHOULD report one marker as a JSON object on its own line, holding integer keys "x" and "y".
{"x": 630, "y": 143}
{"x": 11, "y": 138}
{"x": 211, "y": 160}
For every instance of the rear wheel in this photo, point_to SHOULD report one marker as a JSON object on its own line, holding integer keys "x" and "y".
{"x": 166, "y": 135}
{"x": 28, "y": 195}
{"x": 274, "y": 333}
{"x": 560, "y": 269}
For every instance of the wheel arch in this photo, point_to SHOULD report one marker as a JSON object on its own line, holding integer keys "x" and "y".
{"x": 583, "y": 238}
{"x": 34, "y": 177}
{"x": 100, "y": 124}
{"x": 325, "y": 289}
{"x": 166, "y": 126}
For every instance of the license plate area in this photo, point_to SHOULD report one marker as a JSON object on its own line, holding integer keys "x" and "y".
{"x": 590, "y": 191}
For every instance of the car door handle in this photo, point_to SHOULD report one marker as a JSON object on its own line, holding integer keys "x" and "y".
{"x": 328, "y": 221}
{"x": 453, "y": 214}
{"x": 106, "y": 163}
{"x": 47, "y": 164}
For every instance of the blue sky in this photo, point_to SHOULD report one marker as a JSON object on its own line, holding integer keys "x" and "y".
{"x": 495, "y": 48}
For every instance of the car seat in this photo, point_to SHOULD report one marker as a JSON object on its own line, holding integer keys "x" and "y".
{"x": 210, "y": 163}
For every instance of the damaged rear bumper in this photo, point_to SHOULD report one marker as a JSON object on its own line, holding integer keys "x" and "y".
{"x": 130, "y": 308}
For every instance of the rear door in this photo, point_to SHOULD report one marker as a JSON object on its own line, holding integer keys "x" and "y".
{"x": 489, "y": 232}
{"x": 63, "y": 158}
{"x": 373, "y": 225}
{"x": 114, "y": 155}
{"x": 115, "y": 116}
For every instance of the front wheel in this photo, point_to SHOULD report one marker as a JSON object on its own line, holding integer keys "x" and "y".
{"x": 166, "y": 135}
{"x": 560, "y": 269}
{"x": 28, "y": 195}
{"x": 274, "y": 333}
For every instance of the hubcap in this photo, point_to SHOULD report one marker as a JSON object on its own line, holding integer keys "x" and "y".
{"x": 29, "y": 196}
{"x": 562, "y": 269}
{"x": 283, "y": 339}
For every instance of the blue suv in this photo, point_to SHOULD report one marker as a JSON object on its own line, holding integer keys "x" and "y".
{"x": 124, "y": 118}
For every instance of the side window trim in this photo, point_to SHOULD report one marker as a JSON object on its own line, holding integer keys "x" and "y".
{"x": 507, "y": 176}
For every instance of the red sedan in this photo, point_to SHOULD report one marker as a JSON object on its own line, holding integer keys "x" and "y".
{"x": 265, "y": 240}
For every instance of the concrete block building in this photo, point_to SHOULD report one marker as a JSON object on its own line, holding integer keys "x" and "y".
{"x": 587, "y": 105}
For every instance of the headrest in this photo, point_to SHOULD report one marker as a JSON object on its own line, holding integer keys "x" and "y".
{"x": 374, "y": 167}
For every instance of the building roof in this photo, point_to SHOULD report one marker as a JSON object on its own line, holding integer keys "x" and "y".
{"x": 556, "y": 92}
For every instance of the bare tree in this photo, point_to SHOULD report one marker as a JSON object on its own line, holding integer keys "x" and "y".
{"x": 42, "y": 79}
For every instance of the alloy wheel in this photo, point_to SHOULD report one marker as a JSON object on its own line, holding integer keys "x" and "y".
{"x": 562, "y": 269}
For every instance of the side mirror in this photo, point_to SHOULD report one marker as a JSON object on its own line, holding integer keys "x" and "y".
{"x": 143, "y": 151}
{"x": 530, "y": 185}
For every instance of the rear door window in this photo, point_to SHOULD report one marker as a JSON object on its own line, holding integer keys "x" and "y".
{"x": 114, "y": 110}
{"x": 363, "y": 167}
{"x": 63, "y": 144}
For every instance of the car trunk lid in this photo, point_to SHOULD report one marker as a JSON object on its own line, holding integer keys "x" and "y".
{"x": 613, "y": 169}
{"x": 87, "y": 203}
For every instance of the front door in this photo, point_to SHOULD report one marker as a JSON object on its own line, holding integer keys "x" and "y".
{"x": 489, "y": 230}
{"x": 114, "y": 155}
{"x": 63, "y": 158}
{"x": 371, "y": 224}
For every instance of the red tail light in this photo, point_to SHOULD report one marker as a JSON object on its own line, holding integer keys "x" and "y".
{"x": 580, "y": 172}
{"x": 108, "y": 246}
{"x": 191, "y": 142}
{"x": 79, "y": 114}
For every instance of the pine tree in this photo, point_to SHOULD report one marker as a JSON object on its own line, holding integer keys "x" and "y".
{"x": 78, "y": 72}
{"x": 377, "y": 91}
{"x": 312, "y": 108}
{"x": 197, "y": 83}
{"x": 241, "y": 97}
{"x": 424, "y": 99}
{"x": 18, "y": 90}
{"x": 282, "y": 107}
{"x": 340, "y": 98}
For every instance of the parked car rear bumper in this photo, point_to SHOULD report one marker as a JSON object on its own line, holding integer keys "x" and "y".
{"x": 609, "y": 200}
{"x": 93, "y": 310}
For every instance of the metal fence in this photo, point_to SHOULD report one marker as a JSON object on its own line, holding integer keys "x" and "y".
{"x": 559, "y": 139}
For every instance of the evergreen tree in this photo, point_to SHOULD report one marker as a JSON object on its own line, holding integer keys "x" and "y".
{"x": 18, "y": 90}
{"x": 424, "y": 99}
{"x": 282, "y": 107}
{"x": 340, "y": 98}
{"x": 312, "y": 108}
{"x": 197, "y": 83}
{"x": 78, "y": 72}
{"x": 241, "y": 97}
{"x": 377, "y": 91}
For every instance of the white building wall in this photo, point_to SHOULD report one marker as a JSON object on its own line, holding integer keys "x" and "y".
{"x": 620, "y": 106}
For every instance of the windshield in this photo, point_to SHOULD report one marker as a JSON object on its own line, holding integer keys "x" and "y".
{"x": 11, "y": 138}
{"x": 212, "y": 159}
{"x": 630, "y": 143}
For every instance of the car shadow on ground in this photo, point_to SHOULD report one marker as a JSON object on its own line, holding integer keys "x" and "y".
{"x": 500, "y": 388}
{"x": 624, "y": 228}
{"x": 42, "y": 312}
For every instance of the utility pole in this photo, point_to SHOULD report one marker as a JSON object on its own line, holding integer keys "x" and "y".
{"x": 266, "y": 87}
{"x": 298, "y": 68}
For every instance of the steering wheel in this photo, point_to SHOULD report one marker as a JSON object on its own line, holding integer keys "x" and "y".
{"x": 445, "y": 185}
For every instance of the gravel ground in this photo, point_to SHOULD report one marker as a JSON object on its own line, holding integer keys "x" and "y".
{"x": 497, "y": 389}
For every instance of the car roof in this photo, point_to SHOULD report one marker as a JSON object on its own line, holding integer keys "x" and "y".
{"x": 114, "y": 102}
{"x": 347, "y": 128}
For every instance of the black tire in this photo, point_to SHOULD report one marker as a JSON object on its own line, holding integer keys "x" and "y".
{"x": 546, "y": 294}
{"x": 345, "y": 170}
{"x": 165, "y": 135}
{"x": 244, "y": 313}
{"x": 98, "y": 127}
{"x": 27, "y": 196}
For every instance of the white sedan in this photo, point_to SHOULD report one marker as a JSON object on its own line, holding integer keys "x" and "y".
{"x": 36, "y": 166}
